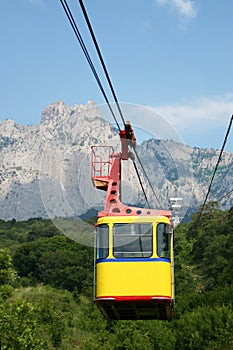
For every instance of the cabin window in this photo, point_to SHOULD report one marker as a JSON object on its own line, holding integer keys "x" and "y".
{"x": 163, "y": 240}
{"x": 132, "y": 240}
{"x": 102, "y": 241}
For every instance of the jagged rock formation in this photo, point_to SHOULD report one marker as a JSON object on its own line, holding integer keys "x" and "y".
{"x": 45, "y": 170}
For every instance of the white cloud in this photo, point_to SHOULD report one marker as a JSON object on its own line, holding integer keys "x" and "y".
{"x": 205, "y": 112}
{"x": 202, "y": 123}
{"x": 184, "y": 7}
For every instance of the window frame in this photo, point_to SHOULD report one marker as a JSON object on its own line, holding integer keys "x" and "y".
{"x": 100, "y": 250}
{"x": 133, "y": 253}
{"x": 161, "y": 245}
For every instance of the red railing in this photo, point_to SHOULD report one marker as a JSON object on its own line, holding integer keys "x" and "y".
{"x": 101, "y": 161}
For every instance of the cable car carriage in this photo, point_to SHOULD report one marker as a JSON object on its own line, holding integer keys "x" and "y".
{"x": 134, "y": 270}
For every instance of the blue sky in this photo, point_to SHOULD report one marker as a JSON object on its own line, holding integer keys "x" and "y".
{"x": 173, "y": 56}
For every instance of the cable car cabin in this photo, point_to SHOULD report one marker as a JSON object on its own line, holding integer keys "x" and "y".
{"x": 134, "y": 267}
{"x": 134, "y": 276}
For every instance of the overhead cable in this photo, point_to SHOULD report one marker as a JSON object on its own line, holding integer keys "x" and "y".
{"x": 215, "y": 170}
{"x": 144, "y": 172}
{"x": 85, "y": 51}
{"x": 114, "y": 96}
{"x": 140, "y": 181}
{"x": 101, "y": 58}
{"x": 111, "y": 87}
{"x": 225, "y": 195}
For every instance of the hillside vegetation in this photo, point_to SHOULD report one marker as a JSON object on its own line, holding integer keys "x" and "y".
{"x": 46, "y": 291}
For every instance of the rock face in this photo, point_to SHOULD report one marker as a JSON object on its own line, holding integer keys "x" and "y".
{"x": 45, "y": 170}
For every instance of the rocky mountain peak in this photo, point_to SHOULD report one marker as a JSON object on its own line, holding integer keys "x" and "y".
{"x": 54, "y": 111}
{"x": 45, "y": 169}
{"x": 8, "y": 128}
{"x": 59, "y": 111}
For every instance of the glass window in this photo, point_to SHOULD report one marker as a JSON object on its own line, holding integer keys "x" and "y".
{"x": 132, "y": 240}
{"x": 163, "y": 240}
{"x": 102, "y": 241}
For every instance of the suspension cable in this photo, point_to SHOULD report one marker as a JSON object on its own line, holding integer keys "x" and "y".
{"x": 115, "y": 98}
{"x": 101, "y": 58}
{"x": 85, "y": 51}
{"x": 144, "y": 172}
{"x": 140, "y": 181}
{"x": 225, "y": 195}
{"x": 215, "y": 170}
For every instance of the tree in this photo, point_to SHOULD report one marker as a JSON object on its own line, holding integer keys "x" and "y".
{"x": 57, "y": 261}
{"x": 18, "y": 326}
{"x": 8, "y": 274}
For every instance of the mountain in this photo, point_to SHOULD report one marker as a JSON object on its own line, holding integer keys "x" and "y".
{"x": 45, "y": 169}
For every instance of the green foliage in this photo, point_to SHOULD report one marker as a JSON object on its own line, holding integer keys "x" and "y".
{"x": 42, "y": 317}
{"x": 18, "y": 326}
{"x": 56, "y": 312}
{"x": 57, "y": 261}
{"x": 207, "y": 328}
{"x": 12, "y": 233}
{"x": 7, "y": 271}
{"x": 212, "y": 252}
{"x": 185, "y": 273}
{"x": 5, "y": 291}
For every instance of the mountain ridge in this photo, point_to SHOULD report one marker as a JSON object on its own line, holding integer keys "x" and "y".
{"x": 45, "y": 169}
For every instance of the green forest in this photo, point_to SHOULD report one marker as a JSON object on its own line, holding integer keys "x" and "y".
{"x": 46, "y": 291}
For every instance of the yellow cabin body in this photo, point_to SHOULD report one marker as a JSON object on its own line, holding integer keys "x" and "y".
{"x": 134, "y": 270}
